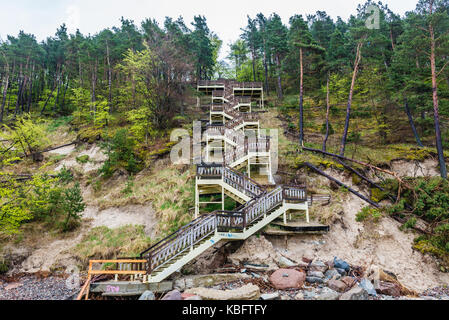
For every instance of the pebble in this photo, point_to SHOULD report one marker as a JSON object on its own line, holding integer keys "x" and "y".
{"x": 32, "y": 288}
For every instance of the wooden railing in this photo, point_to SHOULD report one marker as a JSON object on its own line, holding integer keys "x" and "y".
{"x": 248, "y": 85}
{"x": 195, "y": 233}
{"x": 210, "y": 83}
{"x": 231, "y": 177}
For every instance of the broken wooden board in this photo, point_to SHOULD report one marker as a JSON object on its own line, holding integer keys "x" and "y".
{"x": 296, "y": 227}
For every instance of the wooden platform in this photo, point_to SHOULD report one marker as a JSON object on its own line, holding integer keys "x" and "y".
{"x": 278, "y": 228}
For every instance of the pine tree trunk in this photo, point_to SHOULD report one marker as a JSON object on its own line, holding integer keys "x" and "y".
{"x": 5, "y": 91}
{"x": 279, "y": 80}
{"x": 265, "y": 65}
{"x": 351, "y": 93}
{"x": 58, "y": 84}
{"x": 65, "y": 92}
{"x": 301, "y": 99}
{"x": 441, "y": 160}
{"x": 109, "y": 77}
{"x": 412, "y": 124}
{"x": 328, "y": 107}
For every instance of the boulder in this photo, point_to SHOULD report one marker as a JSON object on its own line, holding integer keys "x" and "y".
{"x": 368, "y": 286}
{"x": 318, "y": 265}
{"x": 247, "y": 292}
{"x": 148, "y": 296}
{"x": 337, "y": 285}
{"x": 314, "y": 280}
{"x": 270, "y": 296}
{"x": 173, "y": 295}
{"x": 317, "y": 274}
{"x": 283, "y": 279}
{"x": 283, "y": 262}
{"x": 342, "y": 272}
{"x": 356, "y": 293}
{"x": 185, "y": 296}
{"x": 332, "y": 274}
{"x": 388, "y": 288}
{"x": 349, "y": 281}
{"x": 256, "y": 250}
{"x": 327, "y": 294}
{"x": 341, "y": 264}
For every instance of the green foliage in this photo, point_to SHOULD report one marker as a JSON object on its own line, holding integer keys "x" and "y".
{"x": 27, "y": 136}
{"x": 4, "y": 266}
{"x": 14, "y": 204}
{"x": 378, "y": 195}
{"x": 369, "y": 214}
{"x": 59, "y": 122}
{"x": 120, "y": 152}
{"x": 83, "y": 159}
{"x": 430, "y": 202}
{"x": 72, "y": 205}
{"x": 102, "y": 242}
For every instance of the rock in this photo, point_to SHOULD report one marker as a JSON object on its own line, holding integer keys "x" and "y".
{"x": 147, "y": 296}
{"x": 303, "y": 265}
{"x": 314, "y": 280}
{"x": 330, "y": 264}
{"x": 247, "y": 292}
{"x": 342, "y": 272}
{"x": 309, "y": 295}
{"x": 257, "y": 250}
{"x": 337, "y": 285}
{"x": 287, "y": 279}
{"x": 307, "y": 260}
{"x": 14, "y": 285}
{"x": 270, "y": 296}
{"x": 316, "y": 274}
{"x": 340, "y": 264}
{"x": 368, "y": 286}
{"x": 207, "y": 280}
{"x": 332, "y": 274}
{"x": 299, "y": 296}
{"x": 318, "y": 266}
{"x": 349, "y": 281}
{"x": 356, "y": 293}
{"x": 327, "y": 294}
{"x": 193, "y": 298}
{"x": 286, "y": 263}
{"x": 173, "y": 295}
{"x": 185, "y": 296}
{"x": 388, "y": 288}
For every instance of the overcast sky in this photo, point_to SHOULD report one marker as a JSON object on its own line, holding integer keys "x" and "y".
{"x": 226, "y": 17}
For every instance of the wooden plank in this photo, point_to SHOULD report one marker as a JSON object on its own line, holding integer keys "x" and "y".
{"x": 119, "y": 272}
{"x": 118, "y": 261}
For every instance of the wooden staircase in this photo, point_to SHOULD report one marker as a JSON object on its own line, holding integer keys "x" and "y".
{"x": 260, "y": 206}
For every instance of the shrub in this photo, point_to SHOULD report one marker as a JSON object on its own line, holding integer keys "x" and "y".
{"x": 83, "y": 159}
{"x": 368, "y": 214}
{"x": 121, "y": 154}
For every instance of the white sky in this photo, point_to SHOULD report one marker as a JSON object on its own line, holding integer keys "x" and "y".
{"x": 226, "y": 17}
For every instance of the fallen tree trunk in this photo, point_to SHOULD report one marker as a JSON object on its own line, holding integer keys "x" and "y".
{"x": 394, "y": 174}
{"x": 342, "y": 185}
{"x": 391, "y": 197}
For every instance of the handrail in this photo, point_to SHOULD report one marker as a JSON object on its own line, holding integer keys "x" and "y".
{"x": 262, "y": 202}
{"x": 178, "y": 243}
